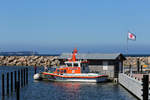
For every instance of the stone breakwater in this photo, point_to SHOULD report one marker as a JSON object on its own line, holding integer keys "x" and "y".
{"x": 29, "y": 61}
{"x": 133, "y": 61}
{"x": 53, "y": 61}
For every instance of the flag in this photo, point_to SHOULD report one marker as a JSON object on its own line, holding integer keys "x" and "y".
{"x": 131, "y": 36}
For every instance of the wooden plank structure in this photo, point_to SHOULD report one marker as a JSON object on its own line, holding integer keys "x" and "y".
{"x": 135, "y": 85}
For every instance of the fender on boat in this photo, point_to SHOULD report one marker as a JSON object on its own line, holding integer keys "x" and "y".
{"x": 37, "y": 76}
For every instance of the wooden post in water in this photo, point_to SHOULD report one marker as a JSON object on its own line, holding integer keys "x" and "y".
{"x": 11, "y": 81}
{"x": 138, "y": 65}
{"x": 141, "y": 68}
{"x": 18, "y": 91}
{"x": 35, "y": 68}
{"x": 15, "y": 80}
{"x": 130, "y": 68}
{"x": 8, "y": 83}
{"x": 145, "y": 85}
{"x": 26, "y": 75}
{"x": 3, "y": 87}
{"x": 21, "y": 78}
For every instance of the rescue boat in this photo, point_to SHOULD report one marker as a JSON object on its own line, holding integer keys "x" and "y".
{"x": 72, "y": 71}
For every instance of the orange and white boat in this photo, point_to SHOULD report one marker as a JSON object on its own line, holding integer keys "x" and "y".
{"x": 72, "y": 71}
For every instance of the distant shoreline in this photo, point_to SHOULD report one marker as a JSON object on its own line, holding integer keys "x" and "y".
{"x": 37, "y": 54}
{"x": 29, "y": 54}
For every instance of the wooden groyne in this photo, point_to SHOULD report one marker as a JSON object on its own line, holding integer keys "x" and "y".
{"x": 12, "y": 82}
{"x": 138, "y": 86}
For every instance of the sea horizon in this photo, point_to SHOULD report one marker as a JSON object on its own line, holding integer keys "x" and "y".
{"x": 31, "y": 53}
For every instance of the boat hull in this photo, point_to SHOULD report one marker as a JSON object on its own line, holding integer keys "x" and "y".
{"x": 74, "y": 78}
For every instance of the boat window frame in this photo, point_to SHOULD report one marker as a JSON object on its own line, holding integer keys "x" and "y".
{"x": 75, "y": 63}
{"x": 58, "y": 70}
{"x": 61, "y": 71}
{"x": 65, "y": 70}
{"x": 69, "y": 65}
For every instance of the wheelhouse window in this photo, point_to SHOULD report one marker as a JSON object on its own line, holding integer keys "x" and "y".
{"x": 75, "y": 64}
{"x": 69, "y": 64}
{"x": 65, "y": 71}
{"x": 62, "y": 71}
{"x": 57, "y": 70}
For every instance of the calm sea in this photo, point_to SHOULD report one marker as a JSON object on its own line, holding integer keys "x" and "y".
{"x": 45, "y": 90}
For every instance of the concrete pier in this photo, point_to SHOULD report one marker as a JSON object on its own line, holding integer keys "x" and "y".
{"x": 133, "y": 83}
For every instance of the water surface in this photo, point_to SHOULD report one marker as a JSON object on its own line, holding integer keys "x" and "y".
{"x": 46, "y": 90}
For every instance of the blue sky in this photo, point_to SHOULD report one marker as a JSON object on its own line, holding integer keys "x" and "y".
{"x": 55, "y": 26}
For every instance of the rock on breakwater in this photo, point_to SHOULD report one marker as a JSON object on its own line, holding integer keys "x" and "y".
{"x": 133, "y": 61}
{"x": 29, "y": 61}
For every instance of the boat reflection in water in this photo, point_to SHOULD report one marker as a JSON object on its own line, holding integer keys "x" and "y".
{"x": 67, "y": 86}
{"x": 73, "y": 90}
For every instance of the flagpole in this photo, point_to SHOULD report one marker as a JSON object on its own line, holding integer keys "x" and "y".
{"x": 127, "y": 42}
{"x": 127, "y": 45}
{"x": 130, "y": 36}
{"x": 126, "y": 49}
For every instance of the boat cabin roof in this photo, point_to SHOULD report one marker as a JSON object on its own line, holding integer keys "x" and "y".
{"x": 98, "y": 56}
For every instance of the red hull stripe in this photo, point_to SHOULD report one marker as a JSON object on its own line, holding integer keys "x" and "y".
{"x": 74, "y": 76}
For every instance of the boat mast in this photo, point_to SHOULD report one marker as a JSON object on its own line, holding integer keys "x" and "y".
{"x": 74, "y": 55}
